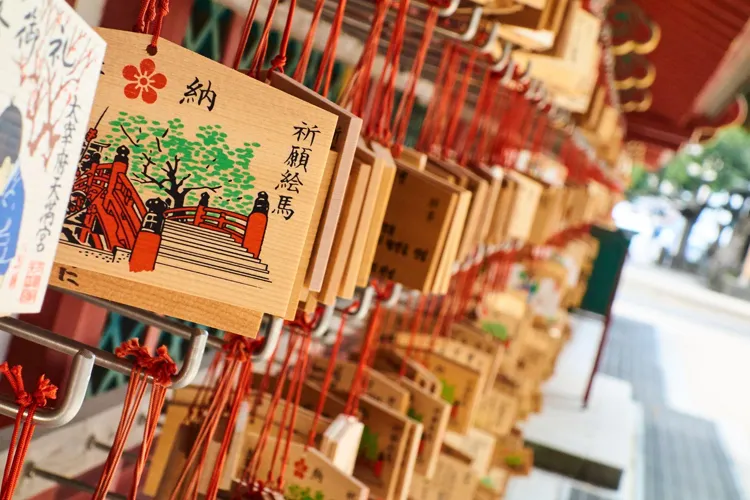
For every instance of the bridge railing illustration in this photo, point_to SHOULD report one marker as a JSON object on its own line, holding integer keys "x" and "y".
{"x": 231, "y": 223}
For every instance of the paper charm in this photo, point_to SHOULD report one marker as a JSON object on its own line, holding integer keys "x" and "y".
{"x": 50, "y": 62}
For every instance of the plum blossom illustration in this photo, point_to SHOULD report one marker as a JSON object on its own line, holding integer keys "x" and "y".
{"x": 145, "y": 81}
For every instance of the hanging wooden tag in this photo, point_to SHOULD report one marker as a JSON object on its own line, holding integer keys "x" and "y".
{"x": 462, "y": 382}
{"x": 548, "y": 215}
{"x": 525, "y": 203}
{"x": 351, "y": 273}
{"x": 475, "y": 337}
{"x": 382, "y": 155}
{"x": 344, "y": 143}
{"x": 388, "y": 360}
{"x": 494, "y": 177}
{"x": 502, "y": 214}
{"x": 413, "y": 158}
{"x": 383, "y": 448}
{"x": 479, "y": 189}
{"x": 50, "y": 60}
{"x": 511, "y": 455}
{"x": 341, "y": 442}
{"x": 497, "y": 412}
{"x": 477, "y": 444}
{"x": 299, "y": 290}
{"x": 415, "y": 228}
{"x": 449, "y": 257}
{"x": 309, "y": 474}
{"x": 343, "y": 240}
{"x": 433, "y": 413}
{"x": 184, "y": 191}
{"x": 415, "y": 431}
{"x": 380, "y": 387}
{"x": 453, "y": 480}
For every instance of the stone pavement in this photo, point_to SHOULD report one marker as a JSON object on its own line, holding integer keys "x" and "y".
{"x": 684, "y": 456}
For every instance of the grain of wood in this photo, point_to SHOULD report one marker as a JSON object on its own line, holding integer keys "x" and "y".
{"x": 202, "y": 251}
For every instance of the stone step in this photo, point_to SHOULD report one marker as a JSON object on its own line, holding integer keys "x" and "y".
{"x": 203, "y": 246}
{"x": 233, "y": 274}
{"x": 197, "y": 232}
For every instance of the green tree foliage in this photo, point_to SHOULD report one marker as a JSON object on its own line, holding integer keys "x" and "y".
{"x": 449, "y": 392}
{"x": 296, "y": 492}
{"x": 368, "y": 446}
{"x": 167, "y": 162}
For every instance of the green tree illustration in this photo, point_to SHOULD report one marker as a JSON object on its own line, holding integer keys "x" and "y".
{"x": 449, "y": 392}
{"x": 412, "y": 414}
{"x": 296, "y": 492}
{"x": 166, "y": 161}
{"x": 368, "y": 446}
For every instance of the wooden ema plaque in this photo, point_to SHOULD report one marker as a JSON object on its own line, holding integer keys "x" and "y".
{"x": 50, "y": 60}
{"x": 463, "y": 372}
{"x": 178, "y": 433}
{"x": 383, "y": 449}
{"x": 477, "y": 444}
{"x": 359, "y": 243}
{"x": 433, "y": 413}
{"x": 449, "y": 256}
{"x": 379, "y": 387}
{"x": 181, "y": 188}
{"x": 479, "y": 189}
{"x": 413, "y": 158}
{"x": 414, "y": 230}
{"x": 344, "y": 144}
{"x": 524, "y": 206}
{"x": 497, "y": 412}
{"x": 388, "y": 360}
{"x": 494, "y": 178}
{"x": 382, "y": 156}
{"x": 415, "y": 431}
{"x": 473, "y": 336}
{"x": 454, "y": 479}
{"x": 502, "y": 213}
{"x": 344, "y": 237}
{"x": 309, "y": 474}
{"x": 301, "y": 292}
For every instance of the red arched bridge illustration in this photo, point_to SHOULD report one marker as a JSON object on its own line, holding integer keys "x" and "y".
{"x": 107, "y": 216}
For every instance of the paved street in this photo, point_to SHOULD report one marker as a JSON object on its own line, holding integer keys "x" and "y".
{"x": 686, "y": 351}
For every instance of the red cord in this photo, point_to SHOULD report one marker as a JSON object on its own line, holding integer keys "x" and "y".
{"x": 369, "y": 345}
{"x": 403, "y": 115}
{"x": 326, "y": 385}
{"x": 428, "y": 124}
{"x": 416, "y": 324}
{"x": 378, "y": 119}
{"x": 325, "y": 71}
{"x": 249, "y": 19}
{"x": 161, "y": 368}
{"x": 458, "y": 103}
{"x": 28, "y": 404}
{"x": 357, "y": 91}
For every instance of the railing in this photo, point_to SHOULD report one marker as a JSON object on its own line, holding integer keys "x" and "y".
{"x": 216, "y": 219}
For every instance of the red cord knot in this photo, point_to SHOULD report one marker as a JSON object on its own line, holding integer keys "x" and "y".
{"x": 162, "y": 367}
{"x": 382, "y": 292}
{"x": 278, "y": 63}
{"x": 239, "y": 347}
{"x": 45, "y": 390}
{"x": 132, "y": 347}
{"x": 306, "y": 323}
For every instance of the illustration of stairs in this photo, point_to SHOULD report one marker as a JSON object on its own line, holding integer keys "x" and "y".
{"x": 208, "y": 252}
